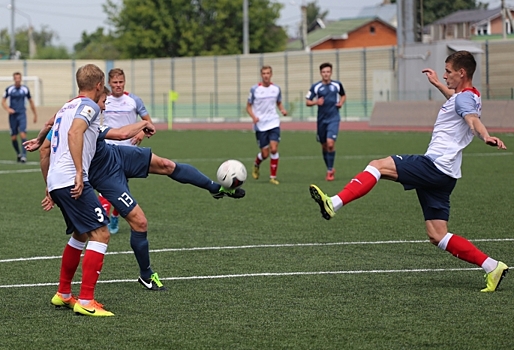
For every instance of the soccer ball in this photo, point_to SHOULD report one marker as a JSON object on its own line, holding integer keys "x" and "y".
{"x": 231, "y": 174}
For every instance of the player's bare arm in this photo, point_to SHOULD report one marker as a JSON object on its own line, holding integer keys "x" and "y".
{"x": 479, "y": 130}
{"x": 6, "y": 107}
{"x": 34, "y": 144}
{"x": 281, "y": 108}
{"x": 129, "y": 131}
{"x": 44, "y": 161}
{"x": 33, "y": 108}
{"x": 434, "y": 80}
{"x": 249, "y": 110}
{"x": 138, "y": 138}
{"x": 341, "y": 102}
{"x": 75, "y": 143}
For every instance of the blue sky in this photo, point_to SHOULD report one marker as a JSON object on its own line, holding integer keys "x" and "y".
{"x": 69, "y": 18}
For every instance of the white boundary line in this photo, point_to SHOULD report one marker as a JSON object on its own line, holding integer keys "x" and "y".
{"x": 217, "y": 160}
{"x": 258, "y": 246}
{"x": 262, "y": 274}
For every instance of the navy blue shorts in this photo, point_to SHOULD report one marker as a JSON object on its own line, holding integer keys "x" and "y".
{"x": 326, "y": 131}
{"x": 18, "y": 123}
{"x": 134, "y": 162}
{"x": 432, "y": 186}
{"x": 81, "y": 215}
{"x": 264, "y": 137}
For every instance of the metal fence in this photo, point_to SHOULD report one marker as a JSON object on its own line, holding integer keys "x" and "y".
{"x": 216, "y": 87}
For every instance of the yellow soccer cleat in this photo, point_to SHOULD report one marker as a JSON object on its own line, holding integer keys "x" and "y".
{"x": 94, "y": 308}
{"x": 493, "y": 278}
{"x": 273, "y": 181}
{"x": 324, "y": 202}
{"x": 255, "y": 172}
{"x": 58, "y": 301}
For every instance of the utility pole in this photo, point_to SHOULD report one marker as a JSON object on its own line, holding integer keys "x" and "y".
{"x": 246, "y": 49}
{"x": 504, "y": 29}
{"x": 305, "y": 44}
{"x": 13, "y": 39}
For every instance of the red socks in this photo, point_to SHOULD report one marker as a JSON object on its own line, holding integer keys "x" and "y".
{"x": 91, "y": 268}
{"x": 465, "y": 250}
{"x": 273, "y": 166}
{"x": 360, "y": 185}
{"x": 105, "y": 204}
{"x": 69, "y": 263}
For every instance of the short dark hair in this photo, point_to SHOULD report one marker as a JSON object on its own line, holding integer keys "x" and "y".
{"x": 16, "y": 73}
{"x": 463, "y": 60}
{"x": 325, "y": 65}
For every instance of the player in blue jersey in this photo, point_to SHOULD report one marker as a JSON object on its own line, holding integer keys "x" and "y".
{"x": 111, "y": 167}
{"x": 329, "y": 96}
{"x": 17, "y": 93}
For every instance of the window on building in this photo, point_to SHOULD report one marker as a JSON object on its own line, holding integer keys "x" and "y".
{"x": 372, "y": 30}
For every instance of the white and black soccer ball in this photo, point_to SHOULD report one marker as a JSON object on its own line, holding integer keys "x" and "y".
{"x": 231, "y": 174}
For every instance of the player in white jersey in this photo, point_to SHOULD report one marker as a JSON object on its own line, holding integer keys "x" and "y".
{"x": 121, "y": 108}
{"x": 262, "y": 105}
{"x": 434, "y": 174}
{"x": 73, "y": 146}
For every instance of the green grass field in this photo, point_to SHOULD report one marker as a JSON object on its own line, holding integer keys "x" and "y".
{"x": 266, "y": 271}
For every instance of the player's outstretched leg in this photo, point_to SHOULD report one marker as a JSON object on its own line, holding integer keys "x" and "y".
{"x": 324, "y": 202}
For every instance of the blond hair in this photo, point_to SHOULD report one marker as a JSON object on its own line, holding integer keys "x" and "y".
{"x": 115, "y": 72}
{"x": 263, "y": 68}
{"x": 89, "y": 76}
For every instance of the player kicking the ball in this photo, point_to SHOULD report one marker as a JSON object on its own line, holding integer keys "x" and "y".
{"x": 113, "y": 165}
{"x": 434, "y": 174}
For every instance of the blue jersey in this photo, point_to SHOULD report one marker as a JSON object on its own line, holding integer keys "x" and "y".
{"x": 331, "y": 93}
{"x": 103, "y": 162}
{"x": 17, "y": 97}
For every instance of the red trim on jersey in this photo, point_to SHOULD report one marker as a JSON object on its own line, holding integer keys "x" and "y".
{"x": 260, "y": 84}
{"x": 79, "y": 96}
{"x": 473, "y": 90}
{"x": 126, "y": 93}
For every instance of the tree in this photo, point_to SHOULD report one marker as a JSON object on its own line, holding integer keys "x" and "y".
{"x": 43, "y": 40}
{"x": 314, "y": 12}
{"x": 96, "y": 45}
{"x": 163, "y": 28}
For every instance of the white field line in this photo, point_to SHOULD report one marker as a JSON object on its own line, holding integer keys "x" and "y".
{"x": 258, "y": 246}
{"x": 263, "y": 274}
{"x": 217, "y": 160}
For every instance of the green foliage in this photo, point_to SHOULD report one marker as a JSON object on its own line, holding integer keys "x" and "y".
{"x": 314, "y": 12}
{"x": 388, "y": 289}
{"x": 159, "y": 28}
{"x": 52, "y": 53}
{"x": 96, "y": 45}
{"x": 43, "y": 39}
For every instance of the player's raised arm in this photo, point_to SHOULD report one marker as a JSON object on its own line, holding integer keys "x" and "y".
{"x": 434, "y": 80}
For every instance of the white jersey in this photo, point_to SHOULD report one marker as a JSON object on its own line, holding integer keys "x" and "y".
{"x": 62, "y": 171}
{"x": 451, "y": 132}
{"x": 121, "y": 111}
{"x": 264, "y": 105}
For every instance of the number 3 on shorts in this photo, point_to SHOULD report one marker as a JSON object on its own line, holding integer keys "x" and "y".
{"x": 99, "y": 214}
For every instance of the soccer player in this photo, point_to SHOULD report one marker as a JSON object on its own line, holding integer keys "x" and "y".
{"x": 113, "y": 165}
{"x": 122, "y": 108}
{"x": 434, "y": 174}
{"x": 329, "y": 96}
{"x": 17, "y": 93}
{"x": 262, "y": 102}
{"x": 72, "y": 148}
